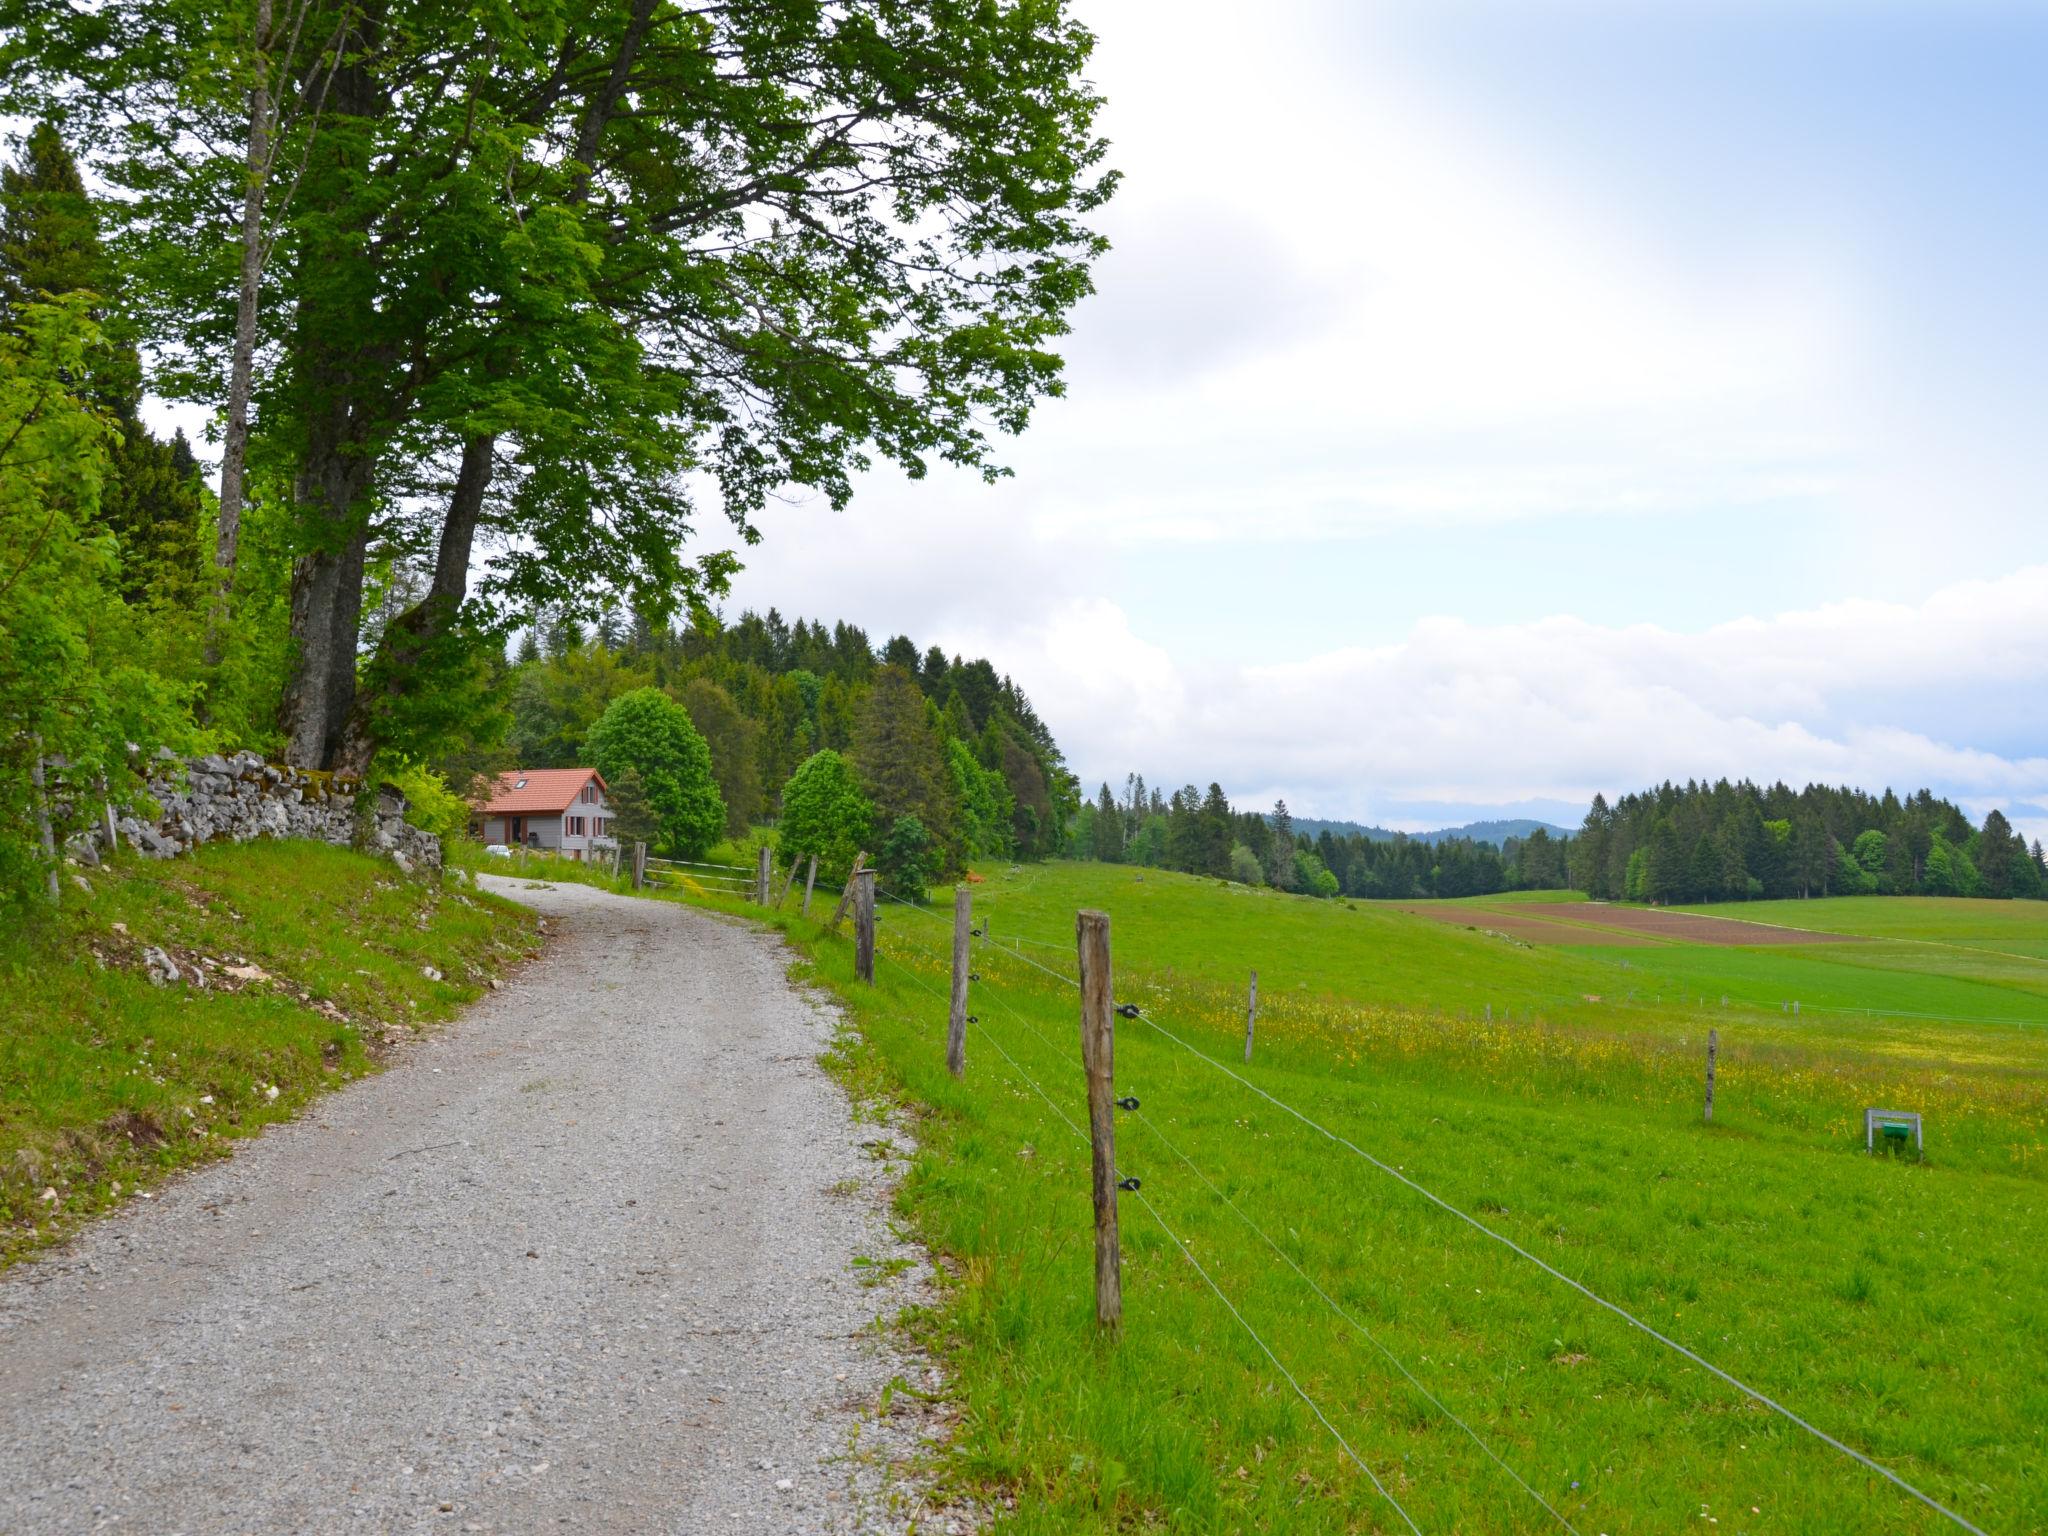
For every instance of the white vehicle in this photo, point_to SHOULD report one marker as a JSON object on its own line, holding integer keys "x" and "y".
{"x": 498, "y": 850}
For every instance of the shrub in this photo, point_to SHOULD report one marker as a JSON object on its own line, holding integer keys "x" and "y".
{"x": 430, "y": 804}
{"x": 909, "y": 861}
{"x": 824, "y": 813}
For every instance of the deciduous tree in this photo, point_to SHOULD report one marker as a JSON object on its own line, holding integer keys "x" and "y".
{"x": 650, "y": 733}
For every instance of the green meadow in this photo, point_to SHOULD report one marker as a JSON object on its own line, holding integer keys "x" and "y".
{"x": 1896, "y": 1302}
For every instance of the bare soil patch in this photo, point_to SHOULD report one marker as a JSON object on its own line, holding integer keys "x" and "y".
{"x": 1529, "y": 930}
{"x": 1684, "y": 927}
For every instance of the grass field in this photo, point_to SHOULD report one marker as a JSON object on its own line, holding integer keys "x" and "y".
{"x": 314, "y": 957}
{"x": 1899, "y": 1305}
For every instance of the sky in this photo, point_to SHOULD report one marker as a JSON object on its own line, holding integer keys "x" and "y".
{"x": 1485, "y": 405}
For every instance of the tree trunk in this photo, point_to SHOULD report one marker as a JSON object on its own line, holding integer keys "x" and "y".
{"x": 235, "y": 442}
{"x": 346, "y": 406}
{"x": 327, "y": 593}
{"x": 394, "y": 672}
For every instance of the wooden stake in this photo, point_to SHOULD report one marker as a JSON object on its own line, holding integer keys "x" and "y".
{"x": 956, "y": 1020}
{"x": 1098, "y": 1060}
{"x": 860, "y": 862}
{"x": 1713, "y": 1050}
{"x": 1251, "y": 1016}
{"x": 762, "y": 875}
{"x": 864, "y": 925}
{"x": 788, "y": 880}
{"x": 639, "y": 866}
{"x": 810, "y": 879}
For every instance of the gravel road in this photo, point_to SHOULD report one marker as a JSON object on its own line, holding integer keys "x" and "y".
{"x": 583, "y": 1260}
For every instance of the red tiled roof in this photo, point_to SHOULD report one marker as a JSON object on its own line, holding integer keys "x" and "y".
{"x": 527, "y": 790}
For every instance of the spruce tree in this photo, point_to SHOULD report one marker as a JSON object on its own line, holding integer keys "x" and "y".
{"x": 897, "y": 755}
{"x": 50, "y": 246}
{"x": 1280, "y": 851}
{"x": 1109, "y": 829}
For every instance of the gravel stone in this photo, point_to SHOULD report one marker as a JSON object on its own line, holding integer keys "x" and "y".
{"x": 582, "y": 1261}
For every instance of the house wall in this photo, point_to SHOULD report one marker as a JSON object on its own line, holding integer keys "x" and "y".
{"x": 582, "y": 830}
{"x": 586, "y": 825}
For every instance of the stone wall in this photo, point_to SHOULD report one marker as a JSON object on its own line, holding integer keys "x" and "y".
{"x": 240, "y": 797}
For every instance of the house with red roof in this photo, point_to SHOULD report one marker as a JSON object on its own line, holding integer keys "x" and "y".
{"x": 559, "y": 808}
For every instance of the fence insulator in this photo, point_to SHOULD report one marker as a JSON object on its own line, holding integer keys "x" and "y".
{"x": 1130, "y": 1184}
{"x": 1127, "y": 1010}
{"x": 1128, "y": 1102}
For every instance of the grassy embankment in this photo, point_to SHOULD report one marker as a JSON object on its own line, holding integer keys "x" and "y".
{"x": 1897, "y": 1304}
{"x": 314, "y": 959}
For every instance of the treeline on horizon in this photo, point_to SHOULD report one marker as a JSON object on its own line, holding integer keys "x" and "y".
{"x": 1199, "y": 832}
{"x": 1734, "y": 842}
{"x": 948, "y": 741}
{"x": 1692, "y": 843}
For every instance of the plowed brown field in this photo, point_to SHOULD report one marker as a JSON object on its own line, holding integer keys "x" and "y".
{"x": 1528, "y": 930}
{"x": 1684, "y": 927}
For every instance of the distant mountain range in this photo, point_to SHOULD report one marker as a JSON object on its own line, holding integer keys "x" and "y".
{"x": 1495, "y": 832}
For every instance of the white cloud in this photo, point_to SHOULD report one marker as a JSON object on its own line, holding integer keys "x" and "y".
{"x": 1485, "y": 716}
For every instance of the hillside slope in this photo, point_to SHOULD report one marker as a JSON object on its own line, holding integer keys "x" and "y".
{"x": 296, "y": 965}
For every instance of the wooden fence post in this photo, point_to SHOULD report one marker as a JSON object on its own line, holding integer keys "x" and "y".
{"x": 860, "y": 862}
{"x": 956, "y": 1020}
{"x": 1098, "y": 1059}
{"x": 761, "y": 877}
{"x": 864, "y": 925}
{"x": 1251, "y": 1014}
{"x": 1713, "y": 1050}
{"x": 639, "y": 866}
{"x": 810, "y": 879}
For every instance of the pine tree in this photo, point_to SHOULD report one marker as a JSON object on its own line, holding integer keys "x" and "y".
{"x": 50, "y": 246}
{"x": 1213, "y": 838}
{"x": 632, "y": 814}
{"x": 1995, "y": 848}
{"x": 49, "y": 233}
{"x": 1280, "y": 852}
{"x": 735, "y": 743}
{"x": 896, "y": 753}
{"x": 1109, "y": 829}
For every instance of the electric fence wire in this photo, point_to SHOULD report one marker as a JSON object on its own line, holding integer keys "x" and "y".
{"x": 1016, "y": 954}
{"x": 921, "y": 911}
{"x": 1151, "y": 1210}
{"x": 1584, "y": 1290}
{"x": 1364, "y": 1332}
{"x": 1741, "y": 1386}
{"x": 1286, "y": 1374}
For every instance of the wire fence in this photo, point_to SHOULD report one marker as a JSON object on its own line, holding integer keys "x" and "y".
{"x": 687, "y": 874}
{"x": 990, "y": 991}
